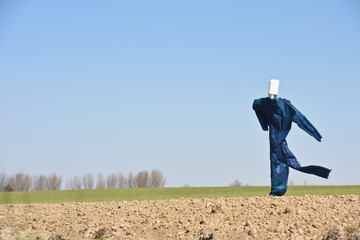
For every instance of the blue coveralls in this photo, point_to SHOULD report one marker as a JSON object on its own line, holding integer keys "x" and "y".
{"x": 276, "y": 115}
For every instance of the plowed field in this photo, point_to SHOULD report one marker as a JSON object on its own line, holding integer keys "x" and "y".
{"x": 307, "y": 217}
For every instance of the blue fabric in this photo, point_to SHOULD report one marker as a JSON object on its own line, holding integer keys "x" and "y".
{"x": 277, "y": 115}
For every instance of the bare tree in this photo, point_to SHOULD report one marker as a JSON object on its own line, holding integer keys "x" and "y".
{"x": 12, "y": 183}
{"x": 20, "y": 182}
{"x": 121, "y": 180}
{"x": 40, "y": 183}
{"x": 24, "y": 182}
{"x": 74, "y": 184}
{"x": 131, "y": 183}
{"x": 111, "y": 180}
{"x": 235, "y": 183}
{"x": 100, "y": 184}
{"x": 54, "y": 181}
{"x": 27, "y": 183}
{"x": 3, "y": 181}
{"x": 157, "y": 179}
{"x": 88, "y": 181}
{"x": 142, "y": 179}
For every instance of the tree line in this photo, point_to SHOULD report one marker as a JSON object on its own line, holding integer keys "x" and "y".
{"x": 53, "y": 181}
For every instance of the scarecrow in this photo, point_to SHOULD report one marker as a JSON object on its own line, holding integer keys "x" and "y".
{"x": 276, "y": 115}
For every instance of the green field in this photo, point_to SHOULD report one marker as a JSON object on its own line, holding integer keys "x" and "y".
{"x": 129, "y": 194}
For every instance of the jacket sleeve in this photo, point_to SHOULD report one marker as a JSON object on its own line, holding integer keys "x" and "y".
{"x": 260, "y": 115}
{"x": 304, "y": 123}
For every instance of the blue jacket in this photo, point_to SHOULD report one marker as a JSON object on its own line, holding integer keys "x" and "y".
{"x": 277, "y": 115}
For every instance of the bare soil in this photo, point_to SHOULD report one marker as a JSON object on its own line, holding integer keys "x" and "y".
{"x": 308, "y": 217}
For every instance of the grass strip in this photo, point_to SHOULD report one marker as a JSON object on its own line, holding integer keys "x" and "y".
{"x": 129, "y": 194}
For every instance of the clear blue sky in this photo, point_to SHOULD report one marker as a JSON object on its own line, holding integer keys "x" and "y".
{"x": 109, "y": 86}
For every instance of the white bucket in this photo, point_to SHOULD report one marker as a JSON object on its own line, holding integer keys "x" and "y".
{"x": 274, "y": 88}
